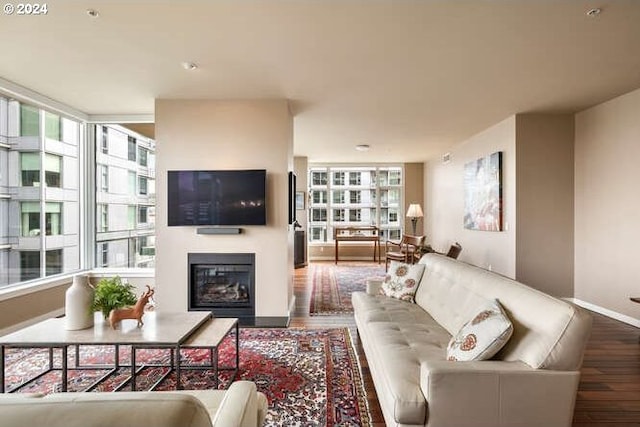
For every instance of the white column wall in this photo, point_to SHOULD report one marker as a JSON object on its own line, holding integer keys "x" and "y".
{"x": 226, "y": 135}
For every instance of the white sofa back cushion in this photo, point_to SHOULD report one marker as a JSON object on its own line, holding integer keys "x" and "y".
{"x": 547, "y": 332}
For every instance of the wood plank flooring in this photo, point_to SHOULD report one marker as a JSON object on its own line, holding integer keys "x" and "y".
{"x": 609, "y": 391}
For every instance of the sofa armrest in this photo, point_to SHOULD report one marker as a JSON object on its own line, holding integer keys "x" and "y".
{"x": 497, "y": 394}
{"x": 240, "y": 406}
{"x": 373, "y": 286}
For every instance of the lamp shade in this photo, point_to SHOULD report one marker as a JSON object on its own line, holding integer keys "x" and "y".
{"x": 414, "y": 211}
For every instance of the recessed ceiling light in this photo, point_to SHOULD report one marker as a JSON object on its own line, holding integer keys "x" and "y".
{"x": 594, "y": 12}
{"x": 362, "y": 147}
{"x": 93, "y": 13}
{"x": 189, "y": 66}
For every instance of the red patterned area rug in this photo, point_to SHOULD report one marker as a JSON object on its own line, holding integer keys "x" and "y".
{"x": 311, "y": 376}
{"x": 334, "y": 284}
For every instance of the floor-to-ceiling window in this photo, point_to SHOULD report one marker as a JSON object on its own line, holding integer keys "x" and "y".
{"x": 354, "y": 195}
{"x": 45, "y": 202}
{"x": 125, "y": 198}
{"x": 39, "y": 192}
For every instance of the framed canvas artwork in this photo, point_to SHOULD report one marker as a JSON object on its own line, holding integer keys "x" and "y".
{"x": 483, "y": 193}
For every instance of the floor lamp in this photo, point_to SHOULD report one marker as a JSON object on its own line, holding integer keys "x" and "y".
{"x": 414, "y": 212}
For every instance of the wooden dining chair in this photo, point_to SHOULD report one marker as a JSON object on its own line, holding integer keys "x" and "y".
{"x": 407, "y": 250}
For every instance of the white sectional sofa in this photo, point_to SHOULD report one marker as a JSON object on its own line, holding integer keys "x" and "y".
{"x": 239, "y": 406}
{"x": 531, "y": 382}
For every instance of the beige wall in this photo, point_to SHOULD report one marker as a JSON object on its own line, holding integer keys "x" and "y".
{"x": 536, "y": 245}
{"x": 205, "y": 134}
{"x": 544, "y": 202}
{"x": 607, "y": 204}
{"x": 444, "y": 200}
{"x": 24, "y": 308}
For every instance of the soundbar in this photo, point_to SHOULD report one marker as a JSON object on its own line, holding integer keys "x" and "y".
{"x": 219, "y": 230}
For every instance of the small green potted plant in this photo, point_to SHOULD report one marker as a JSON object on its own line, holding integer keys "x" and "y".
{"x": 112, "y": 293}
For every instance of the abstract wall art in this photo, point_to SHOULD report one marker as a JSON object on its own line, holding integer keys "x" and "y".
{"x": 483, "y": 193}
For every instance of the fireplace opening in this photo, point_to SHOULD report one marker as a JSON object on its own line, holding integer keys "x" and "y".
{"x": 223, "y": 284}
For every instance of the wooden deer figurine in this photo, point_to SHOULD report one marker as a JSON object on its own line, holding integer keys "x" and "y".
{"x": 135, "y": 312}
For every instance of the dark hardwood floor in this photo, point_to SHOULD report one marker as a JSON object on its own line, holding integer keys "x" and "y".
{"x": 609, "y": 392}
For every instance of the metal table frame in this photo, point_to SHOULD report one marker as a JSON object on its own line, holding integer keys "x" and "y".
{"x": 207, "y": 338}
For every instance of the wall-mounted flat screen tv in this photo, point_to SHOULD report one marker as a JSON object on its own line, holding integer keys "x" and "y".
{"x": 230, "y": 197}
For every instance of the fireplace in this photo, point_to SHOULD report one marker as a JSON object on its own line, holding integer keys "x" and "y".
{"x": 223, "y": 283}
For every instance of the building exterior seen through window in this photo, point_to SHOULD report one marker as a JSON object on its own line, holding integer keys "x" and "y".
{"x": 40, "y": 201}
{"x": 125, "y": 199}
{"x": 353, "y": 196}
{"x": 39, "y": 192}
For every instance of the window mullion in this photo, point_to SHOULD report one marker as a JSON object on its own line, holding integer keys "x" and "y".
{"x": 43, "y": 202}
{"x": 87, "y": 197}
{"x": 330, "y": 205}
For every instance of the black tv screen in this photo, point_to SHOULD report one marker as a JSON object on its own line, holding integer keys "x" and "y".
{"x": 234, "y": 197}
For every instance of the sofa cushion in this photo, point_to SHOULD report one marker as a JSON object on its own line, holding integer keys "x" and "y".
{"x": 401, "y": 337}
{"x": 481, "y": 337}
{"x": 401, "y": 281}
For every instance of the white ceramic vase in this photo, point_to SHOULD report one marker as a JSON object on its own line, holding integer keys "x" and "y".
{"x": 78, "y": 300}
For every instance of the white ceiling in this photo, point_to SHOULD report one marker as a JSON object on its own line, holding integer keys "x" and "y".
{"x": 408, "y": 77}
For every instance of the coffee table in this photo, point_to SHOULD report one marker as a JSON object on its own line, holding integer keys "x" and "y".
{"x": 160, "y": 330}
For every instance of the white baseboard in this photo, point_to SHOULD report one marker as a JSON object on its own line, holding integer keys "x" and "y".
{"x": 606, "y": 312}
{"x": 292, "y": 306}
{"x": 22, "y": 325}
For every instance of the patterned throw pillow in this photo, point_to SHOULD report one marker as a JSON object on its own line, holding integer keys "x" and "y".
{"x": 402, "y": 280}
{"x": 483, "y": 336}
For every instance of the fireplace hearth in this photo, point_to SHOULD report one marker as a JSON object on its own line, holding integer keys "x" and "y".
{"x": 223, "y": 283}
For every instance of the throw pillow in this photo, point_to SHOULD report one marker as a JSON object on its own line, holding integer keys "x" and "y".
{"x": 483, "y": 336}
{"x": 402, "y": 280}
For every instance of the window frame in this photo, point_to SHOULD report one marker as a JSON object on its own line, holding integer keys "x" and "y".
{"x": 367, "y": 201}
{"x": 132, "y": 142}
{"x": 143, "y": 157}
{"x": 141, "y": 220}
{"x": 48, "y": 173}
{"x": 142, "y": 179}
{"x": 104, "y": 140}
{"x": 82, "y": 136}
